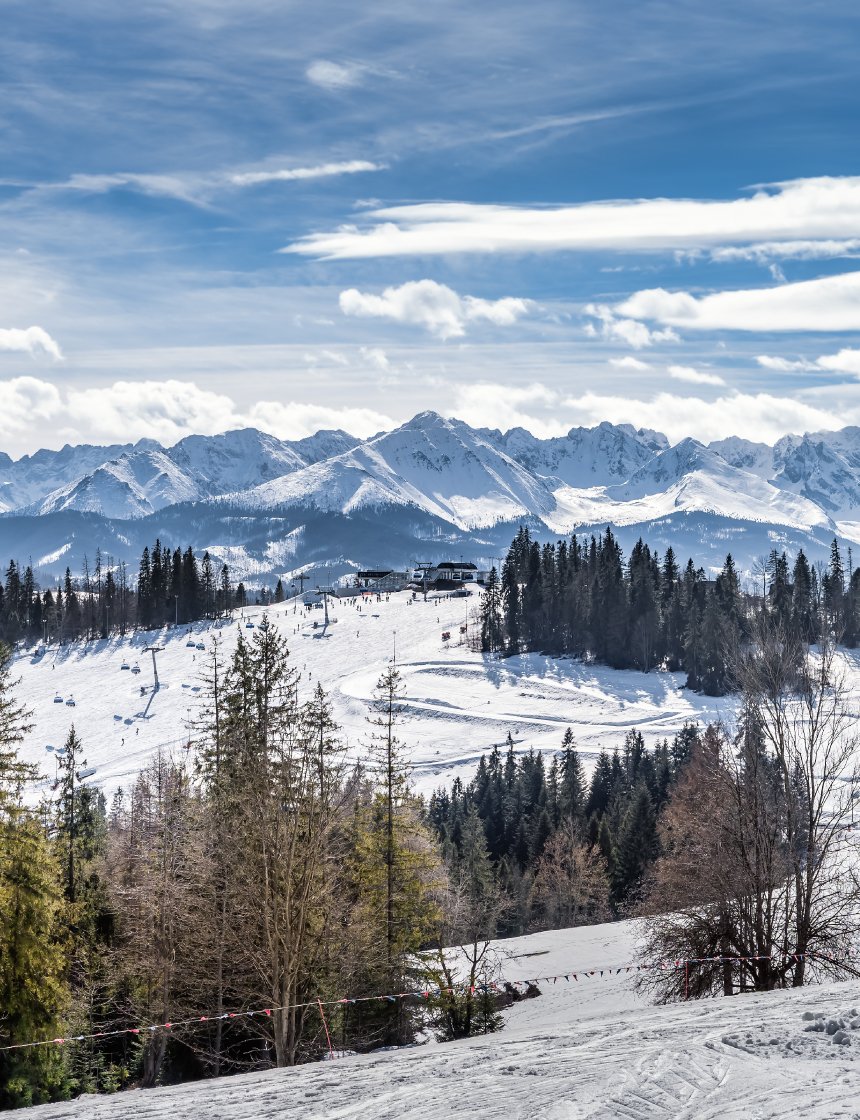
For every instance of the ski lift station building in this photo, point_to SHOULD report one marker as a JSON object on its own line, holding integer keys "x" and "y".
{"x": 382, "y": 580}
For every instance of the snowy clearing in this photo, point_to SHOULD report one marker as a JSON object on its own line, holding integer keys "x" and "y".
{"x": 458, "y": 703}
{"x": 587, "y": 1048}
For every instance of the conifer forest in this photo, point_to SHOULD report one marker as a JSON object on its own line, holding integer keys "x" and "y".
{"x": 268, "y": 868}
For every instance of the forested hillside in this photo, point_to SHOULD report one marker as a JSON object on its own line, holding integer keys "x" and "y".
{"x": 582, "y": 598}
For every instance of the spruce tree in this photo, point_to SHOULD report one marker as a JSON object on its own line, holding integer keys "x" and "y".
{"x": 491, "y": 615}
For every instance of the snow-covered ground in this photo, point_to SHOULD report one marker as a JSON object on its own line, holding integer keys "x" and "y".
{"x": 457, "y": 704}
{"x": 591, "y": 1047}
{"x": 586, "y": 1048}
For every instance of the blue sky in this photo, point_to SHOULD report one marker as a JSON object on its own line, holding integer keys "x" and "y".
{"x": 297, "y": 215}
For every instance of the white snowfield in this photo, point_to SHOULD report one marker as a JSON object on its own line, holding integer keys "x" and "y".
{"x": 457, "y": 703}
{"x": 584, "y": 1048}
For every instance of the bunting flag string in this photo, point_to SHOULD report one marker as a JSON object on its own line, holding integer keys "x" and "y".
{"x": 496, "y": 986}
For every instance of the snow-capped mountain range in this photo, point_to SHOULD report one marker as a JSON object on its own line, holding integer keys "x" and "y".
{"x": 432, "y": 486}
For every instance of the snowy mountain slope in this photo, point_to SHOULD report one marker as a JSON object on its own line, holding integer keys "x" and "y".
{"x": 585, "y": 457}
{"x": 126, "y": 481}
{"x": 236, "y": 460}
{"x": 145, "y": 479}
{"x": 590, "y": 1049}
{"x": 757, "y": 458}
{"x": 435, "y": 486}
{"x": 440, "y": 466}
{"x": 819, "y": 471}
{"x": 457, "y": 703}
{"x": 131, "y": 486}
{"x": 690, "y": 476}
{"x": 28, "y": 480}
{"x": 324, "y": 444}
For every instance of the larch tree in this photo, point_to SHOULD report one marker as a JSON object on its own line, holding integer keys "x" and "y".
{"x": 33, "y": 985}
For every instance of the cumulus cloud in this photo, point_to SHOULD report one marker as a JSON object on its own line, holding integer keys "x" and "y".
{"x": 619, "y": 329}
{"x": 29, "y": 340}
{"x": 25, "y": 403}
{"x": 295, "y": 421}
{"x": 531, "y": 406}
{"x": 694, "y": 376}
{"x": 629, "y": 362}
{"x": 846, "y": 361}
{"x": 334, "y": 75}
{"x": 831, "y": 303}
{"x": 802, "y": 210}
{"x": 161, "y": 410}
{"x": 291, "y": 174}
{"x": 436, "y": 307}
{"x": 756, "y": 416}
{"x": 546, "y": 412}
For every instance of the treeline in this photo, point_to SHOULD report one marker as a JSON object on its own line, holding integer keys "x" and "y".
{"x": 582, "y": 598}
{"x": 171, "y": 586}
{"x": 566, "y": 850}
{"x": 263, "y": 871}
{"x": 730, "y": 843}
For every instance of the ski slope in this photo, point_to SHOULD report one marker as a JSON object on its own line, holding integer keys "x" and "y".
{"x": 457, "y": 702}
{"x": 590, "y": 1048}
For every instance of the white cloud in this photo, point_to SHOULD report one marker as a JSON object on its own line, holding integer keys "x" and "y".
{"x": 294, "y": 421}
{"x": 765, "y": 251}
{"x": 329, "y": 357}
{"x": 760, "y": 416}
{"x": 694, "y": 376}
{"x": 27, "y": 402}
{"x": 376, "y": 357}
{"x": 783, "y": 365}
{"x": 846, "y": 361}
{"x": 29, "y": 340}
{"x": 161, "y": 410}
{"x": 803, "y": 210}
{"x": 635, "y": 334}
{"x": 831, "y": 303}
{"x": 482, "y": 405}
{"x": 199, "y": 188}
{"x": 436, "y": 307}
{"x": 180, "y": 187}
{"x": 629, "y": 362}
{"x": 291, "y": 174}
{"x": 539, "y": 409}
{"x": 334, "y": 75}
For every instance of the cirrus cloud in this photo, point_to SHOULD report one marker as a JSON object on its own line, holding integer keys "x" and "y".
{"x": 292, "y": 174}
{"x": 801, "y": 210}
